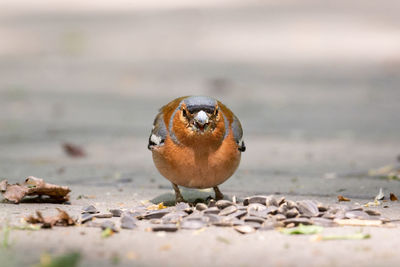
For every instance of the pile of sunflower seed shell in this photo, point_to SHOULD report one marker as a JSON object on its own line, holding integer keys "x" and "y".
{"x": 252, "y": 214}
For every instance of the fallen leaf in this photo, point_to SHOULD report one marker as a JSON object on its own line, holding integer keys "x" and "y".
{"x": 356, "y": 236}
{"x": 73, "y": 150}
{"x": 61, "y": 219}
{"x": 342, "y": 198}
{"x": 302, "y": 230}
{"x": 393, "y": 197}
{"x": 34, "y": 187}
{"x": 358, "y": 222}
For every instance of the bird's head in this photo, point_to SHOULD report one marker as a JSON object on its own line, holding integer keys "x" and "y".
{"x": 199, "y": 119}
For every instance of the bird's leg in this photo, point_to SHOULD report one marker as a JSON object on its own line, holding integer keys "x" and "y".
{"x": 178, "y": 195}
{"x": 218, "y": 194}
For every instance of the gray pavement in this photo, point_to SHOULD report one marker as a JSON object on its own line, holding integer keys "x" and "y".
{"x": 315, "y": 85}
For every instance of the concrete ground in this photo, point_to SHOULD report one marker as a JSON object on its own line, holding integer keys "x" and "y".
{"x": 315, "y": 85}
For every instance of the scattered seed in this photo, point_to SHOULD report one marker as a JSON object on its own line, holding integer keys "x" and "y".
{"x": 173, "y": 217}
{"x": 297, "y": 221}
{"x": 116, "y": 212}
{"x": 201, "y": 206}
{"x": 373, "y": 212}
{"x": 292, "y": 213}
{"x": 89, "y": 209}
{"x": 356, "y": 215}
{"x": 86, "y": 217}
{"x": 103, "y": 215}
{"x": 183, "y": 206}
{"x": 238, "y": 214}
{"x": 192, "y": 224}
{"x": 281, "y": 201}
{"x": 228, "y": 210}
{"x": 164, "y": 228}
{"x": 322, "y": 207}
{"x": 253, "y": 219}
{"x": 244, "y": 229}
{"x": 222, "y": 204}
{"x": 128, "y": 222}
{"x": 212, "y": 210}
{"x": 308, "y": 208}
{"x": 322, "y": 222}
{"x": 109, "y": 225}
{"x": 157, "y": 214}
{"x": 291, "y": 204}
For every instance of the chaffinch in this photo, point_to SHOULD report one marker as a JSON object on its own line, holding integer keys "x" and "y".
{"x": 196, "y": 142}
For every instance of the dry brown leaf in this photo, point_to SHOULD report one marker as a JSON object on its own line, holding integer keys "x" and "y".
{"x": 73, "y": 150}
{"x": 34, "y": 187}
{"x": 342, "y": 198}
{"x": 61, "y": 219}
{"x": 393, "y": 197}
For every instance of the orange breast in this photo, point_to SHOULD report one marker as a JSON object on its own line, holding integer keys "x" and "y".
{"x": 201, "y": 167}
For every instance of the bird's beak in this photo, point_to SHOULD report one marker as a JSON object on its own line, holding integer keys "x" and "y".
{"x": 201, "y": 120}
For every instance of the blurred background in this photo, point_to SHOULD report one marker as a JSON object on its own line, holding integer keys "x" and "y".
{"x": 314, "y": 83}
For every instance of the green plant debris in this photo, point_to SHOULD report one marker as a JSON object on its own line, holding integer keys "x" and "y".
{"x": 302, "y": 230}
{"x": 223, "y": 240}
{"x": 26, "y": 226}
{"x": 115, "y": 259}
{"x": 107, "y": 233}
{"x": 67, "y": 260}
{"x": 6, "y": 236}
{"x": 356, "y": 236}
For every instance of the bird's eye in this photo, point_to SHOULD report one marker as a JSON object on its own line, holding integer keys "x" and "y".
{"x": 184, "y": 113}
{"x": 216, "y": 111}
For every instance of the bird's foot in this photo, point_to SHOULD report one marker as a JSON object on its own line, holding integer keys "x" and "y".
{"x": 218, "y": 194}
{"x": 178, "y": 195}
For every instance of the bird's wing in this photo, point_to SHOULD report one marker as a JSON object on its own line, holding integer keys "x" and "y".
{"x": 238, "y": 133}
{"x": 158, "y": 133}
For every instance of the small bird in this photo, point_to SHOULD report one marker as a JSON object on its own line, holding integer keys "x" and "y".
{"x": 196, "y": 142}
